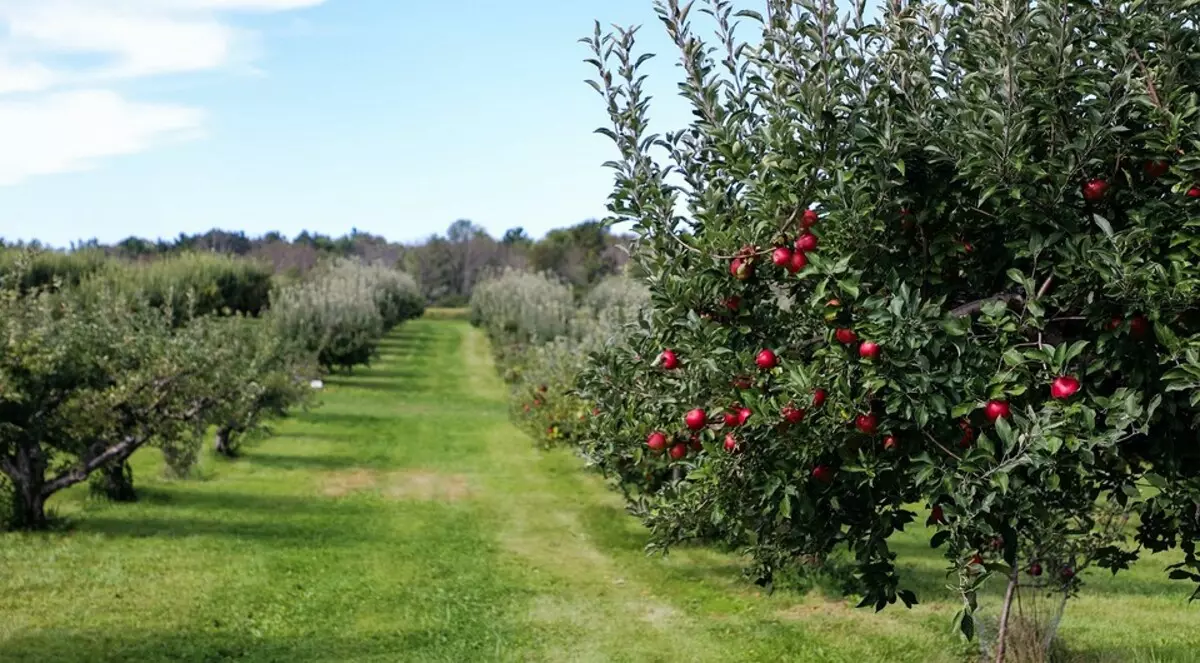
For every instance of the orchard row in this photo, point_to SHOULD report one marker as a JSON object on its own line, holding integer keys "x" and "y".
{"x": 104, "y": 358}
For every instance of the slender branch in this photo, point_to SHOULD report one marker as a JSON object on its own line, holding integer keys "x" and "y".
{"x": 1150, "y": 89}
{"x": 971, "y": 308}
{"x": 1002, "y": 631}
{"x": 939, "y": 445}
{"x": 1045, "y": 286}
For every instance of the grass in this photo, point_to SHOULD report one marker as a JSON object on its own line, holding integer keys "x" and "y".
{"x": 406, "y": 520}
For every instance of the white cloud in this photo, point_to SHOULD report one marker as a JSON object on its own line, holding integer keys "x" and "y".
{"x": 67, "y": 131}
{"x": 68, "y": 117}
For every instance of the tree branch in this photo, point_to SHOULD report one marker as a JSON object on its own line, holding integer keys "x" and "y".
{"x": 77, "y": 474}
{"x": 971, "y": 308}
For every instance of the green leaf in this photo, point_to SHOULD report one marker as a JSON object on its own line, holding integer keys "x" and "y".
{"x": 1001, "y": 481}
{"x": 966, "y": 625}
{"x": 1104, "y": 225}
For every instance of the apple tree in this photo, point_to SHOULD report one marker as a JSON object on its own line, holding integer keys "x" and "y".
{"x": 946, "y": 256}
{"x": 88, "y": 379}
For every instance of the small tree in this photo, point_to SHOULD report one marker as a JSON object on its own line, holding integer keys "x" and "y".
{"x": 948, "y": 257}
{"x": 87, "y": 381}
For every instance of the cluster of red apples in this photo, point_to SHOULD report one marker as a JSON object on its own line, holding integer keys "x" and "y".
{"x": 793, "y": 259}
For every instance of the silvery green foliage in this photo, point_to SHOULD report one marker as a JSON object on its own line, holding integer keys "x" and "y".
{"x": 542, "y": 341}
{"x": 341, "y": 313}
{"x": 522, "y": 307}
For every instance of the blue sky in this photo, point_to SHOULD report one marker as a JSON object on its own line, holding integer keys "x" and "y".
{"x": 155, "y": 117}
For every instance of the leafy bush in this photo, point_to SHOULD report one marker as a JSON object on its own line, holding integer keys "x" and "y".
{"x": 342, "y": 311}
{"x": 33, "y": 269}
{"x": 994, "y": 207}
{"x": 191, "y": 284}
{"x": 519, "y": 307}
{"x": 542, "y": 341}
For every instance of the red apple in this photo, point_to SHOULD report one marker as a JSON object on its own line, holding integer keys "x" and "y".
{"x": 823, "y": 473}
{"x": 890, "y": 443}
{"x": 833, "y": 303}
{"x": 996, "y": 410}
{"x": 678, "y": 451}
{"x": 1194, "y": 192}
{"x": 797, "y": 263}
{"x": 968, "y": 434}
{"x": 1115, "y": 323}
{"x": 809, "y": 219}
{"x": 818, "y": 398}
{"x": 696, "y": 419}
{"x": 741, "y": 269}
{"x": 731, "y": 419}
{"x": 743, "y": 382}
{"x": 977, "y": 559}
{"x": 669, "y": 360}
{"x": 1068, "y": 573}
{"x": 845, "y": 336}
{"x": 766, "y": 360}
{"x": 868, "y": 350}
{"x": 743, "y": 416}
{"x": 792, "y": 414}
{"x": 998, "y": 543}
{"x": 596, "y": 412}
{"x": 936, "y": 515}
{"x": 542, "y": 388}
{"x": 1156, "y": 168}
{"x": 731, "y": 444}
{"x": 867, "y": 423}
{"x": 968, "y": 247}
{"x": 806, "y": 242}
{"x": 1035, "y": 569}
{"x": 696, "y": 444}
{"x": 1094, "y": 190}
{"x": 781, "y": 256}
{"x": 656, "y": 441}
{"x": 733, "y": 302}
{"x": 1063, "y": 387}
{"x": 1139, "y": 326}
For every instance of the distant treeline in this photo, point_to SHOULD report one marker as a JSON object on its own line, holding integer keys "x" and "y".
{"x": 446, "y": 266}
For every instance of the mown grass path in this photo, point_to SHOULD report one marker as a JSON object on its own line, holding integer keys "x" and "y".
{"x": 406, "y": 520}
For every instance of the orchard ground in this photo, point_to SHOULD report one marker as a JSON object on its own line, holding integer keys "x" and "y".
{"x": 406, "y": 520}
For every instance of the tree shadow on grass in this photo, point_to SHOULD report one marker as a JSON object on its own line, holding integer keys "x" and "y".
{"x": 371, "y": 383}
{"x": 336, "y": 421}
{"x": 301, "y": 462}
{"x": 284, "y": 520}
{"x": 213, "y": 644}
{"x": 292, "y": 533}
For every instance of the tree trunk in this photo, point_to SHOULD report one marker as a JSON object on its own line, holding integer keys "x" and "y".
{"x": 28, "y": 474}
{"x": 1005, "y": 610}
{"x": 223, "y": 442}
{"x": 115, "y": 482}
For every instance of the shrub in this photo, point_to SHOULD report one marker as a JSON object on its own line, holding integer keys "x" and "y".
{"x": 343, "y": 310}
{"x": 988, "y": 196}
{"x": 191, "y": 284}
{"x": 518, "y": 307}
{"x": 33, "y": 269}
{"x": 542, "y": 341}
